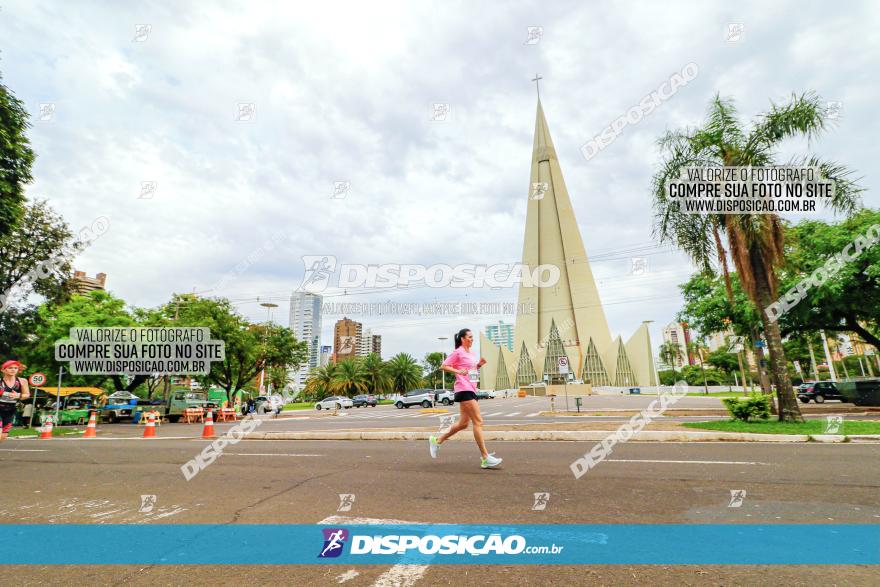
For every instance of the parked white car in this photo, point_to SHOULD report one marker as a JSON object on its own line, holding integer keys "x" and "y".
{"x": 334, "y": 402}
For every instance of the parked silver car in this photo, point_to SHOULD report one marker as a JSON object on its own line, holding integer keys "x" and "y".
{"x": 334, "y": 402}
{"x": 444, "y": 396}
{"x": 416, "y": 397}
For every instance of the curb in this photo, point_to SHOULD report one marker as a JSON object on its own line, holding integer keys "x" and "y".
{"x": 551, "y": 435}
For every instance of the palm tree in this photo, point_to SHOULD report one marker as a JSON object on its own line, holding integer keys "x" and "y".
{"x": 320, "y": 381}
{"x": 755, "y": 240}
{"x": 696, "y": 347}
{"x": 405, "y": 372}
{"x": 350, "y": 378}
{"x": 670, "y": 352}
{"x": 376, "y": 374}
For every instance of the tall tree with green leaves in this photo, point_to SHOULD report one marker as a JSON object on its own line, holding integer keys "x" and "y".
{"x": 36, "y": 256}
{"x": 670, "y": 352}
{"x": 848, "y": 301}
{"x": 95, "y": 309}
{"x": 432, "y": 368}
{"x": 249, "y": 347}
{"x": 16, "y": 159}
{"x": 376, "y": 374}
{"x": 755, "y": 241}
{"x": 320, "y": 381}
{"x": 405, "y": 372}
{"x": 350, "y": 378}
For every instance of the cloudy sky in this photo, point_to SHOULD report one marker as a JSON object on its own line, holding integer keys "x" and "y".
{"x": 344, "y": 92}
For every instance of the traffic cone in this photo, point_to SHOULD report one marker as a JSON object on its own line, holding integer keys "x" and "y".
{"x": 92, "y": 426}
{"x": 150, "y": 428}
{"x": 208, "y": 430}
{"x": 46, "y": 430}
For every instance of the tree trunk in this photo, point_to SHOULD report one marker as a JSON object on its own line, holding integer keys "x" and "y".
{"x": 762, "y": 371}
{"x": 728, "y": 286}
{"x": 789, "y": 411}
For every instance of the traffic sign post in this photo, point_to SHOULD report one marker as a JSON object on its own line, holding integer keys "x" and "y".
{"x": 36, "y": 380}
{"x": 562, "y": 365}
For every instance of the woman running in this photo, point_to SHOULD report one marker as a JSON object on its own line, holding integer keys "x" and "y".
{"x": 460, "y": 363}
{"x": 12, "y": 389}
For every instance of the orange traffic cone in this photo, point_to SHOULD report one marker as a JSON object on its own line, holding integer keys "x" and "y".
{"x": 92, "y": 426}
{"x": 150, "y": 428}
{"x": 208, "y": 430}
{"x": 46, "y": 430}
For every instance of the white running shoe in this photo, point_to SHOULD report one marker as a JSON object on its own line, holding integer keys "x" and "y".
{"x": 433, "y": 446}
{"x": 490, "y": 461}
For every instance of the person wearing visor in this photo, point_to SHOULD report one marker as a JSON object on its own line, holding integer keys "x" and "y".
{"x": 12, "y": 389}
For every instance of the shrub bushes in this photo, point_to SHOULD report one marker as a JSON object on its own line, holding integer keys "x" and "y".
{"x": 756, "y": 407}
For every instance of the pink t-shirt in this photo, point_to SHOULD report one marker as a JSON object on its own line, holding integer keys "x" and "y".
{"x": 461, "y": 359}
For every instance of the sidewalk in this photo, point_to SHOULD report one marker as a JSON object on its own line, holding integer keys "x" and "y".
{"x": 568, "y": 431}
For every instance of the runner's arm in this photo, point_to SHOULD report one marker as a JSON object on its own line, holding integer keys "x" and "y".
{"x": 25, "y": 390}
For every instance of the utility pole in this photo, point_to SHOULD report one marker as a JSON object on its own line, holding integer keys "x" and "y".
{"x": 828, "y": 356}
{"x": 442, "y": 372}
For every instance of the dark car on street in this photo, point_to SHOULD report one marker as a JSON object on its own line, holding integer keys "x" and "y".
{"x": 365, "y": 401}
{"x": 818, "y": 391}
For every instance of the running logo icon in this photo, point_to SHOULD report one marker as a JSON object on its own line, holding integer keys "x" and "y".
{"x": 737, "y": 496}
{"x": 346, "y": 500}
{"x": 319, "y": 268}
{"x": 334, "y": 541}
{"x": 541, "y": 500}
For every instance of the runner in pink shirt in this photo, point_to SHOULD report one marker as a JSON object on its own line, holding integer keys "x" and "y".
{"x": 461, "y": 363}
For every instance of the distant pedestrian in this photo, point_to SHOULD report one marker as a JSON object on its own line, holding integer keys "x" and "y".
{"x": 12, "y": 389}
{"x": 461, "y": 362}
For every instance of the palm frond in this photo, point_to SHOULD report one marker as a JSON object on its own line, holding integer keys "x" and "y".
{"x": 803, "y": 115}
{"x": 846, "y": 199}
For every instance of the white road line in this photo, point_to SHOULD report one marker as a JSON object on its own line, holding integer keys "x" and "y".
{"x": 492, "y": 415}
{"x": 521, "y": 405}
{"x": 513, "y": 414}
{"x": 396, "y": 576}
{"x": 24, "y": 450}
{"x": 533, "y": 415}
{"x": 685, "y": 462}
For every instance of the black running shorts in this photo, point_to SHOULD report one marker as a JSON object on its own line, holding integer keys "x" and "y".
{"x": 463, "y": 396}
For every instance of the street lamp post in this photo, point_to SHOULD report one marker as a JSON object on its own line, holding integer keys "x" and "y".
{"x": 442, "y": 372}
{"x": 268, "y": 306}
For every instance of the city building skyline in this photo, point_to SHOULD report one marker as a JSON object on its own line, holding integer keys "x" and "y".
{"x": 305, "y": 322}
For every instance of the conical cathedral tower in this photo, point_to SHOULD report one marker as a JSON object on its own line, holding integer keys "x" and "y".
{"x": 565, "y": 318}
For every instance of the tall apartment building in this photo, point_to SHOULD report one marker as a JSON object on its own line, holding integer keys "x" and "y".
{"x": 305, "y": 322}
{"x": 347, "y": 340}
{"x": 678, "y": 334}
{"x": 501, "y": 334}
{"x": 369, "y": 343}
{"x": 82, "y": 284}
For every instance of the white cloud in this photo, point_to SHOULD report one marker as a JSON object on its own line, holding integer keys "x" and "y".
{"x": 342, "y": 92}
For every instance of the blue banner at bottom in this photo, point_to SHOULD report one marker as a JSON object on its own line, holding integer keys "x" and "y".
{"x": 447, "y": 544}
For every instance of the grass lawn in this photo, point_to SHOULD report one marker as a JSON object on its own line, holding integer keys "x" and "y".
{"x": 720, "y": 394}
{"x": 776, "y": 427}
{"x": 298, "y": 406}
{"x": 56, "y": 431}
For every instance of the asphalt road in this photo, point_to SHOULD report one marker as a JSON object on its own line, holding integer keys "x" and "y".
{"x": 261, "y": 482}
{"x": 500, "y": 411}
